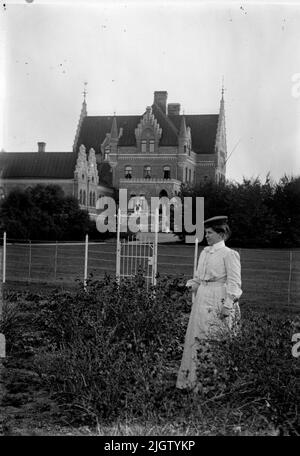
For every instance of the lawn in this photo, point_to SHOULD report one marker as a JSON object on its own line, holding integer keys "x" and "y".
{"x": 270, "y": 277}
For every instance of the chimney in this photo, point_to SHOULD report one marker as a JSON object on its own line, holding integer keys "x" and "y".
{"x": 173, "y": 109}
{"x": 160, "y": 98}
{"x": 41, "y": 146}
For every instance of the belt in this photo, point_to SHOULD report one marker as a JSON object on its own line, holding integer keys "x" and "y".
{"x": 211, "y": 283}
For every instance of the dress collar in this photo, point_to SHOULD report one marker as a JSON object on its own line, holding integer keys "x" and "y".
{"x": 215, "y": 247}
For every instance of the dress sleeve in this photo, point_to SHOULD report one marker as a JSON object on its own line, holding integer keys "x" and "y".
{"x": 233, "y": 281}
{"x": 195, "y": 281}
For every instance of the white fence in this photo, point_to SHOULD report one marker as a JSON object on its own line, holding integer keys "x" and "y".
{"x": 266, "y": 274}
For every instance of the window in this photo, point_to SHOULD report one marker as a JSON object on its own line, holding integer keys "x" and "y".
{"x": 94, "y": 199}
{"x": 190, "y": 175}
{"x": 186, "y": 174}
{"x": 80, "y": 197}
{"x": 167, "y": 172}
{"x": 82, "y": 176}
{"x": 151, "y": 145}
{"x": 91, "y": 198}
{"x": 128, "y": 172}
{"x": 144, "y": 146}
{"x": 93, "y": 179}
{"x": 184, "y": 148}
{"x": 83, "y": 197}
{"x": 106, "y": 153}
{"x": 194, "y": 178}
{"x": 147, "y": 172}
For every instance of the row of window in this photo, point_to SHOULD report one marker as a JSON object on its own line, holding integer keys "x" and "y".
{"x": 91, "y": 200}
{"x": 147, "y": 172}
{"x": 148, "y": 146}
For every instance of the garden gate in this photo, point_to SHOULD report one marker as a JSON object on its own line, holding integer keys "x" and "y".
{"x": 134, "y": 255}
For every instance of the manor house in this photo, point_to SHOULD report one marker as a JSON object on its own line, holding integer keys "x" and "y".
{"x": 149, "y": 154}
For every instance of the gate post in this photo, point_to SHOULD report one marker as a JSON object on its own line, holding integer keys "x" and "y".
{"x": 118, "y": 257}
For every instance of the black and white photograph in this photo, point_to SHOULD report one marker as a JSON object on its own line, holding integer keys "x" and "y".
{"x": 149, "y": 221}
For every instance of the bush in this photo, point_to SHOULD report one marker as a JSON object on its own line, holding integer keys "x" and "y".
{"x": 112, "y": 353}
{"x": 113, "y": 345}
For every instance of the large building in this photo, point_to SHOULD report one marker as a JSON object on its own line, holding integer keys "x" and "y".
{"x": 153, "y": 153}
{"x": 150, "y": 154}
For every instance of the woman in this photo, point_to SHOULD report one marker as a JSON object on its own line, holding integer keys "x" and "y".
{"x": 217, "y": 288}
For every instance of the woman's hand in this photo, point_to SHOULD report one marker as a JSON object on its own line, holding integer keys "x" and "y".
{"x": 224, "y": 313}
{"x": 192, "y": 285}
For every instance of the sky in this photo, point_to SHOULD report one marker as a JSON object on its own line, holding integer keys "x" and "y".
{"x": 126, "y": 50}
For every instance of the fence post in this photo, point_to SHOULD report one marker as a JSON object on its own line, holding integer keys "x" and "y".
{"x": 86, "y": 259}
{"x": 4, "y": 258}
{"x": 55, "y": 261}
{"x": 195, "y": 265}
{"x": 29, "y": 268}
{"x": 154, "y": 265}
{"x": 290, "y": 277}
{"x": 118, "y": 259}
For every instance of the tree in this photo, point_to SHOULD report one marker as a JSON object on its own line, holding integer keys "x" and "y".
{"x": 261, "y": 214}
{"x": 43, "y": 212}
{"x": 287, "y": 211}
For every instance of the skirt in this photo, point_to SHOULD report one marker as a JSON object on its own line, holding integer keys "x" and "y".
{"x": 205, "y": 323}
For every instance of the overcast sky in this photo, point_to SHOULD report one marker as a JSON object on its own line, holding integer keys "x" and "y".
{"x": 127, "y": 50}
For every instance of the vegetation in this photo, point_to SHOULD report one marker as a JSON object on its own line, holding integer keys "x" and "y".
{"x": 262, "y": 214}
{"x": 110, "y": 355}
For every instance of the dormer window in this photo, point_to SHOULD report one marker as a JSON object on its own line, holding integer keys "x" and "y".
{"x": 151, "y": 145}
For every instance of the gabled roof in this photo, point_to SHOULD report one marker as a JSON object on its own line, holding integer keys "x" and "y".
{"x": 94, "y": 128}
{"x": 50, "y": 165}
{"x": 203, "y": 130}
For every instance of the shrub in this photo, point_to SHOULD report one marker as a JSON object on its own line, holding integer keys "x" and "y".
{"x": 113, "y": 344}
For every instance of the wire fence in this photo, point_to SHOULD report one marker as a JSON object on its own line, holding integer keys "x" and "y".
{"x": 267, "y": 275}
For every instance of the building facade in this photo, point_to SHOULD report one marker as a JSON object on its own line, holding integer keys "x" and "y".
{"x": 154, "y": 153}
{"x": 150, "y": 154}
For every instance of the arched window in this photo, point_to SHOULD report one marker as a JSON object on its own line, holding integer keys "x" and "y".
{"x": 147, "y": 172}
{"x": 167, "y": 172}
{"x": 128, "y": 172}
{"x": 83, "y": 197}
{"x": 80, "y": 196}
{"x": 184, "y": 148}
{"x": 82, "y": 176}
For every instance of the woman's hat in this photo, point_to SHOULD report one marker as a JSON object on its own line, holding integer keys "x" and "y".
{"x": 218, "y": 220}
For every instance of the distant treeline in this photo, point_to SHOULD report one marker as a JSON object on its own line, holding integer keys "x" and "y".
{"x": 261, "y": 214}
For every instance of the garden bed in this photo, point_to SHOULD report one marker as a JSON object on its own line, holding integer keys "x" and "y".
{"x": 104, "y": 362}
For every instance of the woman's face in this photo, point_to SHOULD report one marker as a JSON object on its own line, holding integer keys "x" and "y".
{"x": 212, "y": 237}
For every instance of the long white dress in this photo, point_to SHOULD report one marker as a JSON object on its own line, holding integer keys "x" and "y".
{"x": 217, "y": 283}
